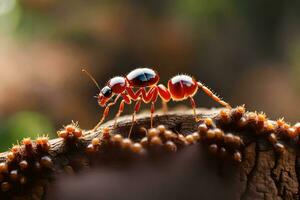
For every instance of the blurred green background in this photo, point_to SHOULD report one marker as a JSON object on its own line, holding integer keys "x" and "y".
{"x": 247, "y": 51}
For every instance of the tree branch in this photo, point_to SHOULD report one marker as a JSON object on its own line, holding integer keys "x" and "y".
{"x": 269, "y": 167}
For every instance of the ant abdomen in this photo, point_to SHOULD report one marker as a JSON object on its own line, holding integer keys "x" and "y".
{"x": 182, "y": 87}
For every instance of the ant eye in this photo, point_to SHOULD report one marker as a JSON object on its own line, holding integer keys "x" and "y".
{"x": 106, "y": 91}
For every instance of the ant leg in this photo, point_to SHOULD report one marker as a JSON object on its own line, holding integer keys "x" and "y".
{"x": 164, "y": 106}
{"x": 121, "y": 109}
{"x": 152, "y": 112}
{"x": 212, "y": 95}
{"x": 136, "y": 109}
{"x": 126, "y": 99}
{"x": 153, "y": 100}
{"x": 150, "y": 96}
{"x": 105, "y": 113}
{"x": 164, "y": 95}
{"x": 193, "y": 103}
{"x": 134, "y": 95}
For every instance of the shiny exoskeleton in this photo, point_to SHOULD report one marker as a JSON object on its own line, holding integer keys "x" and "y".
{"x": 147, "y": 90}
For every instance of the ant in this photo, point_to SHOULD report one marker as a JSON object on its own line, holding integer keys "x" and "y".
{"x": 180, "y": 87}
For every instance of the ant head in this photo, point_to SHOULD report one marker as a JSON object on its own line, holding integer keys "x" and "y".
{"x": 105, "y": 94}
{"x": 115, "y": 85}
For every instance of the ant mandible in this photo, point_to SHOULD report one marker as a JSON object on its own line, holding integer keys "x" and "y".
{"x": 180, "y": 87}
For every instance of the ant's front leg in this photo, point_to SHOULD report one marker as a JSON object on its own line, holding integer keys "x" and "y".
{"x": 106, "y": 112}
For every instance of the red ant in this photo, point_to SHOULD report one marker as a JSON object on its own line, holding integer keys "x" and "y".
{"x": 180, "y": 87}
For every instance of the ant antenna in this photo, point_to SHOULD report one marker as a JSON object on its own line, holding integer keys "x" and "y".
{"x": 91, "y": 77}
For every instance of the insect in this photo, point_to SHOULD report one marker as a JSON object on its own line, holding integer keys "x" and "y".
{"x": 141, "y": 85}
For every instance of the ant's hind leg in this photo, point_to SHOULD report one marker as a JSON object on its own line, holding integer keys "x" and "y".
{"x": 193, "y": 103}
{"x": 212, "y": 95}
{"x": 136, "y": 109}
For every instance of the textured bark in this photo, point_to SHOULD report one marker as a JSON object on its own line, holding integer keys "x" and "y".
{"x": 263, "y": 173}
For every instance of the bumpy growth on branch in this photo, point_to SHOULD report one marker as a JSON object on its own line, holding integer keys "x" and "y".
{"x": 228, "y": 134}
